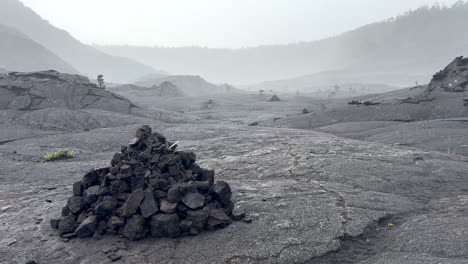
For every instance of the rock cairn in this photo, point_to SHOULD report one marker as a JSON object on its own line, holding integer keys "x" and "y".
{"x": 149, "y": 189}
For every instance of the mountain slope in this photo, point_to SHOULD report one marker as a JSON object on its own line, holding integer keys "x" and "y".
{"x": 19, "y": 53}
{"x": 413, "y": 45}
{"x": 85, "y": 59}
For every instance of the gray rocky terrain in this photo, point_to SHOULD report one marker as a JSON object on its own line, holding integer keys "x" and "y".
{"x": 358, "y": 184}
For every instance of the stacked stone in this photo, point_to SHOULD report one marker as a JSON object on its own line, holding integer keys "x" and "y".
{"x": 150, "y": 188}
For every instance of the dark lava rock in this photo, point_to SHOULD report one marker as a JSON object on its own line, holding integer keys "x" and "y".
{"x": 87, "y": 227}
{"x": 133, "y": 202}
{"x": 106, "y": 207}
{"x": 115, "y": 222}
{"x": 148, "y": 187}
{"x": 67, "y": 225}
{"x": 76, "y": 204}
{"x": 135, "y": 228}
{"x": 149, "y": 206}
{"x": 194, "y": 200}
{"x": 198, "y": 218}
{"x": 165, "y": 225}
{"x": 217, "y": 219}
{"x": 222, "y": 192}
{"x": 91, "y": 194}
{"x": 77, "y": 189}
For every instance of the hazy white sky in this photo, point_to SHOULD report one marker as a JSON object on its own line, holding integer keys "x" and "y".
{"x": 214, "y": 23}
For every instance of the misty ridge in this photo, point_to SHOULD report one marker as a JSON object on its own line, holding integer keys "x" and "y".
{"x": 398, "y": 51}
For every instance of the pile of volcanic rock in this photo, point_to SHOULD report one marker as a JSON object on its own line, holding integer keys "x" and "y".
{"x": 150, "y": 188}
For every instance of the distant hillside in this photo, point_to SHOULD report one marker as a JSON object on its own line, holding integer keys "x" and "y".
{"x": 85, "y": 59}
{"x": 410, "y": 47}
{"x": 20, "y": 53}
{"x": 190, "y": 85}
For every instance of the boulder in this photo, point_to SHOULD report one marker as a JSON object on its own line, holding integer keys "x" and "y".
{"x": 165, "y": 225}
{"x": 194, "y": 200}
{"x": 87, "y": 227}
{"x": 149, "y": 206}
{"x": 133, "y": 203}
{"x": 135, "y": 228}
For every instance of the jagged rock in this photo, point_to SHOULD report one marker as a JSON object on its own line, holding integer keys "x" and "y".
{"x": 454, "y": 78}
{"x": 173, "y": 194}
{"x": 198, "y": 218}
{"x": 106, "y": 207}
{"x": 76, "y": 204}
{"x": 194, "y": 200}
{"x": 168, "y": 207}
{"x": 217, "y": 219}
{"x": 67, "y": 225}
{"x": 133, "y": 202}
{"x": 77, "y": 188}
{"x": 91, "y": 194}
{"x": 87, "y": 227}
{"x": 222, "y": 192}
{"x": 149, "y": 206}
{"x": 165, "y": 225}
{"x": 135, "y": 228}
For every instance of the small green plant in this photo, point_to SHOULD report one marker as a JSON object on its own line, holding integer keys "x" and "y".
{"x": 59, "y": 155}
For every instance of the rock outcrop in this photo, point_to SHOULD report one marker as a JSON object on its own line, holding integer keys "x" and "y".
{"x": 149, "y": 189}
{"x": 274, "y": 98}
{"x": 167, "y": 89}
{"x": 454, "y": 78}
{"x": 46, "y": 89}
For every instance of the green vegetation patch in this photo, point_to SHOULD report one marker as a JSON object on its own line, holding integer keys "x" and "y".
{"x": 59, "y": 155}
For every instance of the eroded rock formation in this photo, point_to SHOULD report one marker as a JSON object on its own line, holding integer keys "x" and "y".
{"x": 46, "y": 89}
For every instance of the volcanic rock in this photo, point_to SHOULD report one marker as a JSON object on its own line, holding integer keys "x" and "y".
{"x": 165, "y": 225}
{"x": 67, "y": 225}
{"x": 133, "y": 202}
{"x": 149, "y": 206}
{"x": 148, "y": 187}
{"x": 222, "y": 191}
{"x": 76, "y": 204}
{"x": 135, "y": 228}
{"x": 217, "y": 219}
{"x": 194, "y": 200}
{"x": 46, "y": 89}
{"x": 106, "y": 207}
{"x": 87, "y": 227}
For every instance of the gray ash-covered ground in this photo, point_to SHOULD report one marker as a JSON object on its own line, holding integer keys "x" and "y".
{"x": 149, "y": 189}
{"x": 313, "y": 197}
